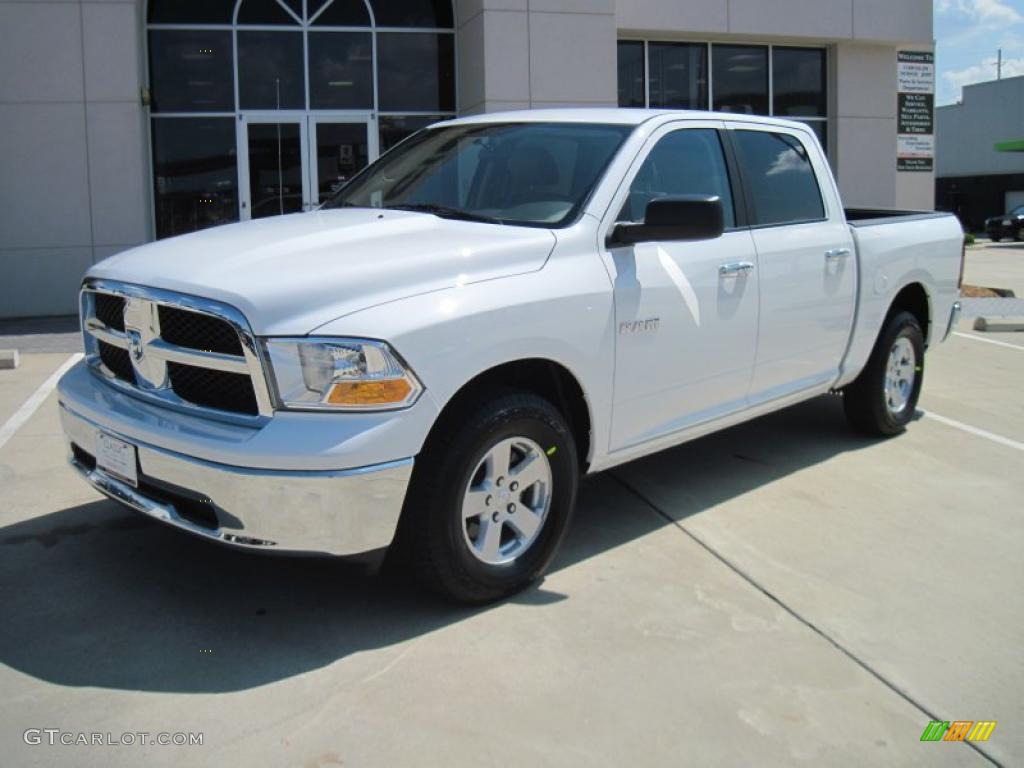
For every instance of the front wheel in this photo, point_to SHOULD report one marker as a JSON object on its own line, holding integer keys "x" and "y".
{"x": 883, "y": 399}
{"x": 491, "y": 498}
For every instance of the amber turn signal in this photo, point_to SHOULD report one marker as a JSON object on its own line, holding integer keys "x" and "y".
{"x": 385, "y": 392}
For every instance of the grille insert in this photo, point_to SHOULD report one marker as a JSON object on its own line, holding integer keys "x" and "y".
{"x": 110, "y": 310}
{"x": 213, "y": 389}
{"x": 118, "y": 362}
{"x": 195, "y": 331}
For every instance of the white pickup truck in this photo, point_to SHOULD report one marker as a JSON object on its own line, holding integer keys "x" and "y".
{"x": 497, "y": 306}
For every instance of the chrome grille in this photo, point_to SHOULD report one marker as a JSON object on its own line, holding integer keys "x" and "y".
{"x": 181, "y": 351}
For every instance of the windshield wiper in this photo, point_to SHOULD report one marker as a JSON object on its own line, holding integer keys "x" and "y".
{"x": 444, "y": 212}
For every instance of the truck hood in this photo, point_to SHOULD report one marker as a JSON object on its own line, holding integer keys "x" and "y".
{"x": 291, "y": 274}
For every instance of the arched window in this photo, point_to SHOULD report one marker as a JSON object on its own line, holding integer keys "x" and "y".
{"x": 325, "y": 67}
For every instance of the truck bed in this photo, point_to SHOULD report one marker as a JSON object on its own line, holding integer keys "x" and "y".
{"x": 860, "y": 217}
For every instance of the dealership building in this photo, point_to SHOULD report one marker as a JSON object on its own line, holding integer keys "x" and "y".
{"x": 125, "y": 121}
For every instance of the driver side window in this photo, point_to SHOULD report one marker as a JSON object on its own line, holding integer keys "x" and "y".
{"x": 685, "y": 162}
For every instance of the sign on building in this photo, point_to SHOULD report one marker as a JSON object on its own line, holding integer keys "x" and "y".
{"x": 915, "y": 120}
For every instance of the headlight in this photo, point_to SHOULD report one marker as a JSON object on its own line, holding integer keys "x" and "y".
{"x": 340, "y": 374}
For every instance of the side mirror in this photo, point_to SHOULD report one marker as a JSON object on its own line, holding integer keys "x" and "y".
{"x": 687, "y": 217}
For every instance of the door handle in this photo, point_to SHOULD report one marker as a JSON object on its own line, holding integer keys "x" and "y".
{"x": 837, "y": 253}
{"x": 737, "y": 268}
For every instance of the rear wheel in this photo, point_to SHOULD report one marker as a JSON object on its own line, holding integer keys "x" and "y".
{"x": 491, "y": 498}
{"x": 883, "y": 399}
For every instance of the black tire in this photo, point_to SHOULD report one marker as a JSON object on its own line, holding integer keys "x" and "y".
{"x": 435, "y": 537}
{"x": 997, "y": 239}
{"x": 865, "y": 401}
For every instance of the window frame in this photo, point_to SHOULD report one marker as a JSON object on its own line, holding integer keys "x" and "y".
{"x": 826, "y": 119}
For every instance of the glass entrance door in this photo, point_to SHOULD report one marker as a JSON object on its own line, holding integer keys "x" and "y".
{"x": 272, "y": 168}
{"x": 341, "y": 147}
{"x": 292, "y": 163}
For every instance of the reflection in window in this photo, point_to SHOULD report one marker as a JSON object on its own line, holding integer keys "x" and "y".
{"x": 195, "y": 173}
{"x": 799, "y": 82}
{"x": 780, "y": 177}
{"x": 340, "y": 70}
{"x": 270, "y": 70}
{"x": 191, "y": 71}
{"x": 436, "y": 14}
{"x": 678, "y": 75}
{"x": 417, "y": 72}
{"x": 631, "y": 74}
{"x": 395, "y": 129}
{"x": 741, "y": 79}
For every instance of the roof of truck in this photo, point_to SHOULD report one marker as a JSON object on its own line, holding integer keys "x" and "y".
{"x": 613, "y": 116}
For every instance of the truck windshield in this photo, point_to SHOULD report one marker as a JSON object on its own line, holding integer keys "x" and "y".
{"x": 531, "y": 174}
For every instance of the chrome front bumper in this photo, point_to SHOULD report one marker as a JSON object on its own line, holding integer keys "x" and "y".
{"x": 342, "y": 512}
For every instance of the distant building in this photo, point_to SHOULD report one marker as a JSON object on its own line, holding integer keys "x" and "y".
{"x": 978, "y": 174}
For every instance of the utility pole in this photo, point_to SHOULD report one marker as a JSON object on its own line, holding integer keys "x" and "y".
{"x": 999, "y": 65}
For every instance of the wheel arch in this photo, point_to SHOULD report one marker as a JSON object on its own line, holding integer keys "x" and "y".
{"x": 542, "y": 376}
{"x": 913, "y": 298}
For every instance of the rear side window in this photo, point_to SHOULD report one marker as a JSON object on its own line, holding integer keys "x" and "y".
{"x": 781, "y": 180}
{"x": 685, "y": 162}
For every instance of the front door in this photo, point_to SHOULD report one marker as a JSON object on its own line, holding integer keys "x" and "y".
{"x": 686, "y": 312}
{"x": 291, "y": 163}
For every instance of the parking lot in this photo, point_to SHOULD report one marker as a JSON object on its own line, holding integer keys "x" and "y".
{"x": 782, "y": 593}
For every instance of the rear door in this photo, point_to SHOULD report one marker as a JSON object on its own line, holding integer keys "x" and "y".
{"x": 805, "y": 256}
{"x": 686, "y": 312}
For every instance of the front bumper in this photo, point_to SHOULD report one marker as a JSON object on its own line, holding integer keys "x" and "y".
{"x": 337, "y": 512}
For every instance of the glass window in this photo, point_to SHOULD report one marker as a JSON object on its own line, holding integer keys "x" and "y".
{"x": 799, "y": 82}
{"x": 342, "y": 151}
{"x": 191, "y": 71}
{"x": 395, "y": 129}
{"x": 417, "y": 71}
{"x": 533, "y": 174}
{"x": 271, "y": 74}
{"x": 275, "y": 168}
{"x": 191, "y": 11}
{"x": 413, "y": 13}
{"x": 340, "y": 70}
{"x": 631, "y": 74}
{"x": 340, "y": 13}
{"x": 740, "y": 79}
{"x": 678, "y": 75}
{"x": 195, "y": 173}
{"x": 264, "y": 12}
{"x": 685, "y": 162}
{"x": 780, "y": 177}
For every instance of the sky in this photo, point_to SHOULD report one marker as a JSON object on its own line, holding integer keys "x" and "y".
{"x": 968, "y": 34}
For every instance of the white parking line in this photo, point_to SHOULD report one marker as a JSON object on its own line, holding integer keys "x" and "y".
{"x": 30, "y": 406}
{"x": 974, "y": 430}
{"x": 988, "y": 341}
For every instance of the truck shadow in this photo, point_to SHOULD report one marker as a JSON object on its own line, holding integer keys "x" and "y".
{"x": 96, "y": 595}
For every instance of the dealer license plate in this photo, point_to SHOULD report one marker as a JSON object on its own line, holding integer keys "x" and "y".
{"x": 117, "y": 458}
